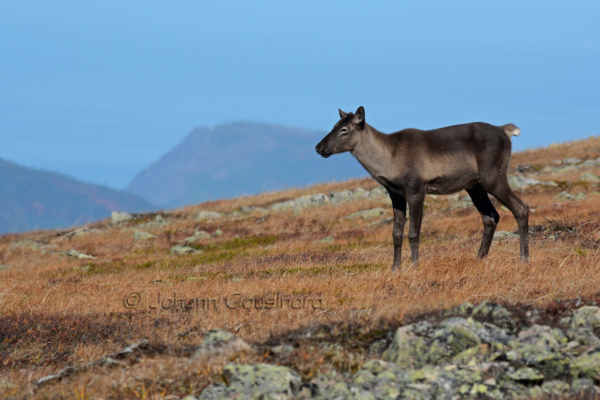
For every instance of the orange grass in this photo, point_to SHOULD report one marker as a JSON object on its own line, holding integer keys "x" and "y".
{"x": 57, "y": 311}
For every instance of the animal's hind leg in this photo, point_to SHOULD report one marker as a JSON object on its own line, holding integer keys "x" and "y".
{"x": 519, "y": 209}
{"x": 489, "y": 215}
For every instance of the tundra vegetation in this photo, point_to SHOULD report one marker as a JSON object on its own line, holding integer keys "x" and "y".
{"x": 316, "y": 311}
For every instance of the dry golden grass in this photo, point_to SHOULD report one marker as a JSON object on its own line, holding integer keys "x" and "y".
{"x": 57, "y": 311}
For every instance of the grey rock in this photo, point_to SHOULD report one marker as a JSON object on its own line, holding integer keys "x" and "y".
{"x": 208, "y": 216}
{"x": 497, "y": 315}
{"x": 139, "y": 235}
{"x": 407, "y": 349}
{"x": 289, "y": 205}
{"x": 340, "y": 197}
{"x": 197, "y": 236}
{"x": 379, "y": 191}
{"x": 522, "y": 182}
{"x": 179, "y": 250}
{"x": 120, "y": 216}
{"x": 564, "y": 196}
{"x": 220, "y": 342}
{"x": 571, "y": 161}
{"x": 367, "y": 214}
{"x": 360, "y": 193}
{"x": 589, "y": 177}
{"x": 586, "y": 317}
{"x": 260, "y": 381}
{"x": 76, "y": 254}
{"x": 4, "y": 267}
{"x": 328, "y": 239}
{"x": 312, "y": 200}
{"x": 218, "y": 232}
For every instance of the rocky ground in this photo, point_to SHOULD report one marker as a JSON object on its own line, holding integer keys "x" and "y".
{"x": 80, "y": 314}
{"x": 467, "y": 352}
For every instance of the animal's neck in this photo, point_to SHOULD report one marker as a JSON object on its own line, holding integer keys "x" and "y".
{"x": 373, "y": 153}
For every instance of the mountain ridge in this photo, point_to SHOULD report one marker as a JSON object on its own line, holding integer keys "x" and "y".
{"x": 239, "y": 158}
{"x": 40, "y": 199}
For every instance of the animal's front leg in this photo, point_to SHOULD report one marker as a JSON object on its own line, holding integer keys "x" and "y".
{"x": 415, "y": 206}
{"x": 399, "y": 205}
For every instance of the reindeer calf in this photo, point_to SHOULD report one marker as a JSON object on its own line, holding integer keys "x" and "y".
{"x": 412, "y": 163}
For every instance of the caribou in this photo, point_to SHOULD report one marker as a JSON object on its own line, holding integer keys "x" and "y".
{"x": 412, "y": 163}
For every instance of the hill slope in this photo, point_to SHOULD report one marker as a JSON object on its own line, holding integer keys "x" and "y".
{"x": 36, "y": 199}
{"x": 157, "y": 286}
{"x": 239, "y": 158}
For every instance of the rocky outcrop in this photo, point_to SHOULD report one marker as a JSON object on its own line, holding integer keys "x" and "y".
{"x": 481, "y": 351}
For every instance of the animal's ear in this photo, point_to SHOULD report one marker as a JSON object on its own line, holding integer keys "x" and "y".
{"x": 342, "y": 114}
{"x": 359, "y": 117}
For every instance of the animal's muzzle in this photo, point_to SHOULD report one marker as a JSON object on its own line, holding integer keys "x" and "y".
{"x": 322, "y": 151}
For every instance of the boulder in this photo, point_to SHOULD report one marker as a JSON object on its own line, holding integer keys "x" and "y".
{"x": 564, "y": 196}
{"x": 208, "y": 216}
{"x": 367, "y": 214}
{"x": 259, "y": 381}
{"x": 407, "y": 349}
{"x": 522, "y": 182}
{"x": 76, "y": 254}
{"x": 360, "y": 193}
{"x": 340, "y": 197}
{"x": 311, "y": 200}
{"x": 220, "y": 342}
{"x": 586, "y": 317}
{"x": 120, "y": 216}
{"x": 589, "y": 177}
{"x": 379, "y": 191}
{"x": 497, "y": 315}
{"x": 197, "y": 236}
{"x": 180, "y": 250}
{"x": 139, "y": 235}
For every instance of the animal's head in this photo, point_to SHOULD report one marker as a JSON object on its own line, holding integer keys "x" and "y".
{"x": 345, "y": 135}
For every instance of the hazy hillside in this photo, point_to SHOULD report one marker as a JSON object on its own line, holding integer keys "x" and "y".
{"x": 239, "y": 158}
{"x": 36, "y": 199}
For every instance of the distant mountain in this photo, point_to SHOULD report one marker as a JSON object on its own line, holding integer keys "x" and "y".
{"x": 239, "y": 158}
{"x": 37, "y": 199}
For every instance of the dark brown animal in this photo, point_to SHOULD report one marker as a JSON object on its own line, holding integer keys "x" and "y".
{"x": 412, "y": 163}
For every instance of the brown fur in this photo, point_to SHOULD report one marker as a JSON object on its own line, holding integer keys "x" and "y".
{"x": 412, "y": 163}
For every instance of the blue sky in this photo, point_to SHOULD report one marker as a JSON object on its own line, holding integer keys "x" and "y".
{"x": 100, "y": 89}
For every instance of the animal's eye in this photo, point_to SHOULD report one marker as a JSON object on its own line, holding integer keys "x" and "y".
{"x": 343, "y": 131}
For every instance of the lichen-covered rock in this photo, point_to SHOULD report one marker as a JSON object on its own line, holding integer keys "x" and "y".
{"x": 564, "y": 196}
{"x": 497, "y": 315}
{"x": 340, "y": 197}
{"x": 180, "y": 250}
{"x": 197, "y": 236}
{"x": 208, "y": 215}
{"x": 587, "y": 317}
{"x": 522, "y": 182}
{"x": 487, "y": 333}
{"x": 260, "y": 381}
{"x": 584, "y": 388}
{"x": 589, "y": 177}
{"x": 139, "y": 235}
{"x": 407, "y": 349}
{"x": 311, "y": 200}
{"x": 360, "y": 193}
{"x": 462, "y": 310}
{"x": 539, "y": 347}
{"x": 379, "y": 191}
{"x": 120, "y": 216}
{"x": 289, "y": 205}
{"x": 586, "y": 366}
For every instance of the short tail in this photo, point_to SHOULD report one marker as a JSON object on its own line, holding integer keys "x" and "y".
{"x": 511, "y": 130}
